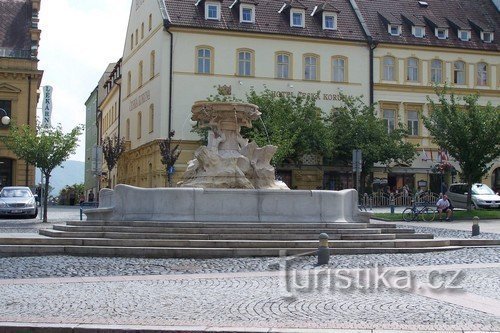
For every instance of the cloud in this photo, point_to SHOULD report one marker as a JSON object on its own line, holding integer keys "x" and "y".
{"x": 79, "y": 39}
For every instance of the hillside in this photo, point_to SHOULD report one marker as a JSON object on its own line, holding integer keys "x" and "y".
{"x": 69, "y": 173}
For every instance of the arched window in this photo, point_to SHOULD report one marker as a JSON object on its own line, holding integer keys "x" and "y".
{"x": 389, "y": 69}
{"x": 129, "y": 83}
{"x": 283, "y": 65}
{"x": 245, "y": 62}
{"x": 204, "y": 58}
{"x": 152, "y": 60}
{"x": 412, "y": 70}
{"x": 459, "y": 75}
{"x": 141, "y": 67}
{"x": 151, "y": 117}
{"x": 127, "y": 130}
{"x": 311, "y": 67}
{"x": 436, "y": 71}
{"x": 139, "y": 125}
{"x": 482, "y": 74}
{"x": 339, "y": 69}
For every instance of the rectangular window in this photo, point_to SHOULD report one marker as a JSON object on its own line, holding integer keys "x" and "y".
{"x": 244, "y": 63}
{"x": 482, "y": 74}
{"x": 329, "y": 21}
{"x": 204, "y": 61}
{"x": 394, "y": 30}
{"x": 487, "y": 37}
{"x": 459, "y": 72}
{"x": 418, "y": 31}
{"x": 436, "y": 71}
{"x": 412, "y": 70}
{"x": 297, "y": 19}
{"x": 389, "y": 73}
{"x": 310, "y": 68}
{"x": 212, "y": 12}
{"x": 247, "y": 14}
{"x": 441, "y": 33}
{"x": 283, "y": 66}
{"x": 6, "y": 105}
{"x": 389, "y": 120}
{"x": 464, "y": 35}
{"x": 338, "y": 70}
{"x": 413, "y": 123}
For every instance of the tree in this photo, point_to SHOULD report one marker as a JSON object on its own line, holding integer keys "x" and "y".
{"x": 469, "y": 132}
{"x": 112, "y": 149}
{"x": 169, "y": 155}
{"x": 45, "y": 148}
{"x": 355, "y": 125}
{"x": 292, "y": 123}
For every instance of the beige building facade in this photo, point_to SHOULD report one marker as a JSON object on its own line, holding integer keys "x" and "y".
{"x": 20, "y": 80}
{"x": 177, "y": 53}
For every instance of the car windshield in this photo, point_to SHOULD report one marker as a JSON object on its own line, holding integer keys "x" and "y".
{"x": 481, "y": 189}
{"x": 18, "y": 193}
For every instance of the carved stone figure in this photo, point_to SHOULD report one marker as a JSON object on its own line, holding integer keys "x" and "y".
{"x": 228, "y": 160}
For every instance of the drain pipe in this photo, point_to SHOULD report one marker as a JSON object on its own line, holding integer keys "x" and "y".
{"x": 29, "y": 119}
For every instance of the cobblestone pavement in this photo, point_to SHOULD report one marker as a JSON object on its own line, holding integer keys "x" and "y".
{"x": 252, "y": 299}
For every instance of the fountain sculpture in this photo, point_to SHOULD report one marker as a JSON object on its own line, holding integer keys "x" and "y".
{"x": 229, "y": 180}
{"x": 229, "y": 160}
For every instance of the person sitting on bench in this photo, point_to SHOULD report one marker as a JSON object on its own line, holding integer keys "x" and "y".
{"x": 444, "y": 206}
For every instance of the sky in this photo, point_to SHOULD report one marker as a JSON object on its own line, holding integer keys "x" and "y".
{"x": 79, "y": 39}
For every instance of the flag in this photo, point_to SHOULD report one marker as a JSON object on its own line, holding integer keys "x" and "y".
{"x": 425, "y": 157}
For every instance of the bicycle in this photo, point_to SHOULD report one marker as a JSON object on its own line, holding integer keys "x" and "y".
{"x": 412, "y": 213}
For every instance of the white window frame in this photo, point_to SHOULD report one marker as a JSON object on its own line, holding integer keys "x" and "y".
{"x": 467, "y": 32}
{"x": 283, "y": 67}
{"x": 413, "y": 72}
{"x": 252, "y": 9}
{"x": 436, "y": 73}
{"x": 245, "y": 64}
{"x": 459, "y": 72}
{"x": 386, "y": 69}
{"x": 413, "y": 123}
{"x": 398, "y": 28}
{"x": 334, "y": 16}
{"x": 338, "y": 70}
{"x": 302, "y": 15}
{"x": 487, "y": 33}
{"x": 482, "y": 74}
{"x": 414, "y": 30}
{"x": 207, "y": 11}
{"x": 389, "y": 122}
{"x": 311, "y": 63}
{"x": 444, "y": 30}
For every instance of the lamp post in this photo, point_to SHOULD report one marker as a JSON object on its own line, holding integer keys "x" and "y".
{"x": 5, "y": 119}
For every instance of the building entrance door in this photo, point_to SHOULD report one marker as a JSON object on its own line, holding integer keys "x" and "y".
{"x": 5, "y": 172}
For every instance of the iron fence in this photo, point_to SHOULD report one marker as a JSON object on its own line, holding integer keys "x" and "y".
{"x": 380, "y": 199}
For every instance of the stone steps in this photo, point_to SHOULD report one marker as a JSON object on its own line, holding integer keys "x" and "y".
{"x": 259, "y": 244}
{"x": 159, "y": 252}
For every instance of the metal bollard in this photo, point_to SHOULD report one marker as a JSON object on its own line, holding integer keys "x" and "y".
{"x": 475, "y": 226}
{"x": 323, "y": 250}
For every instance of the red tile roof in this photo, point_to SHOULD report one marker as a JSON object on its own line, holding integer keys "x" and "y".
{"x": 438, "y": 13}
{"x": 184, "y": 13}
{"x": 15, "y": 22}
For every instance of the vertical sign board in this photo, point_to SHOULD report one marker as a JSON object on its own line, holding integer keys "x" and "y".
{"x": 47, "y": 106}
{"x": 96, "y": 160}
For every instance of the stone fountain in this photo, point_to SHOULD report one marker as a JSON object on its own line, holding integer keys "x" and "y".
{"x": 229, "y": 160}
{"x": 229, "y": 180}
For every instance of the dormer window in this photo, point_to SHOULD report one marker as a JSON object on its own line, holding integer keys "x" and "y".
{"x": 487, "y": 37}
{"x": 212, "y": 11}
{"x": 394, "y": 29}
{"x": 441, "y": 33}
{"x": 464, "y": 35}
{"x": 418, "y": 31}
{"x": 297, "y": 18}
{"x": 247, "y": 13}
{"x": 329, "y": 21}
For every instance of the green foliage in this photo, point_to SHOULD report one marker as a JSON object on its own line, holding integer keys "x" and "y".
{"x": 470, "y": 132}
{"x": 44, "y": 148}
{"x": 291, "y": 123}
{"x": 355, "y": 125}
{"x": 112, "y": 149}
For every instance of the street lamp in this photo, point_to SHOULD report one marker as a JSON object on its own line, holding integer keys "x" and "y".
{"x": 5, "y": 118}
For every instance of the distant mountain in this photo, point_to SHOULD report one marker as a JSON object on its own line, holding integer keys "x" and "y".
{"x": 69, "y": 173}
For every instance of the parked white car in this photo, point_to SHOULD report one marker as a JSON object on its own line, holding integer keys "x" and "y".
{"x": 482, "y": 196}
{"x": 17, "y": 201}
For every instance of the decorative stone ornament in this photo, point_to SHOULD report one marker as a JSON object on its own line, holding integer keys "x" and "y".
{"x": 229, "y": 160}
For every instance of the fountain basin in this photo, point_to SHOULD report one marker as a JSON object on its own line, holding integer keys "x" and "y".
{"x": 129, "y": 203}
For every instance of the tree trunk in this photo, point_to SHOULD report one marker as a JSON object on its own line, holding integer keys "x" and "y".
{"x": 45, "y": 196}
{"x": 469, "y": 194}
